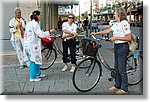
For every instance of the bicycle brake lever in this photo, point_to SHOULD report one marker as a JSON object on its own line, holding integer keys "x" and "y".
{"x": 93, "y": 36}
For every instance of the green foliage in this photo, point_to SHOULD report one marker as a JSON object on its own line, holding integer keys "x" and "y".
{"x": 84, "y": 15}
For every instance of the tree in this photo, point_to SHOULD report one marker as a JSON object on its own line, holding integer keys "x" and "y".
{"x": 84, "y": 15}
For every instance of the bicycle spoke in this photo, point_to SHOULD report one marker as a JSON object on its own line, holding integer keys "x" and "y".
{"x": 134, "y": 69}
{"x": 85, "y": 79}
{"x": 48, "y": 58}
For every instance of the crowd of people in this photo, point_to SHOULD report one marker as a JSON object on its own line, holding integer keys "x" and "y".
{"x": 26, "y": 40}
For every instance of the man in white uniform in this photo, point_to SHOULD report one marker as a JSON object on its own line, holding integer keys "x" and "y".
{"x": 17, "y": 28}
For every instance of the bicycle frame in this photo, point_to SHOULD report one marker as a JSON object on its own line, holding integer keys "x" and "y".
{"x": 85, "y": 68}
{"x": 100, "y": 56}
{"x": 57, "y": 48}
{"x": 103, "y": 61}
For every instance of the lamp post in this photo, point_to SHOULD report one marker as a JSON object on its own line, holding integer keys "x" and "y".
{"x": 79, "y": 12}
{"x": 91, "y": 18}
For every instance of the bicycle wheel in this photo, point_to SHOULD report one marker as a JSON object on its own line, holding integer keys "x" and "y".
{"x": 48, "y": 58}
{"x": 86, "y": 64}
{"x": 134, "y": 69}
{"x": 85, "y": 79}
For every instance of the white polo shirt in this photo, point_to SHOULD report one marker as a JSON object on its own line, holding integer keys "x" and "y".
{"x": 70, "y": 28}
{"x": 121, "y": 29}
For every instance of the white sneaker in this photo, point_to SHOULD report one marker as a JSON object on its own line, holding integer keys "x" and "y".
{"x": 21, "y": 67}
{"x": 65, "y": 68}
{"x": 42, "y": 76}
{"x": 28, "y": 64}
{"x": 72, "y": 69}
{"x": 36, "y": 79}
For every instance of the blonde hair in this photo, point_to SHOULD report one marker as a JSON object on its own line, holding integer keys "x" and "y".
{"x": 121, "y": 13}
{"x": 71, "y": 15}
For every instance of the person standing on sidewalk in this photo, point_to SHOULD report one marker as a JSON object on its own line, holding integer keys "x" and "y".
{"x": 121, "y": 37}
{"x": 69, "y": 33}
{"x": 32, "y": 45}
{"x": 86, "y": 25}
{"x": 59, "y": 23}
{"x": 17, "y": 28}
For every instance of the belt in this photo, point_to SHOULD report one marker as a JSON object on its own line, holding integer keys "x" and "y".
{"x": 121, "y": 43}
{"x": 68, "y": 39}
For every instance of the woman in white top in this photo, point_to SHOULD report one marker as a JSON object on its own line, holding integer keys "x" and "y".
{"x": 121, "y": 37}
{"x": 69, "y": 33}
{"x": 32, "y": 45}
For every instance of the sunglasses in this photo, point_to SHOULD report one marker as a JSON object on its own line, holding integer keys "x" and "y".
{"x": 18, "y": 13}
{"x": 70, "y": 17}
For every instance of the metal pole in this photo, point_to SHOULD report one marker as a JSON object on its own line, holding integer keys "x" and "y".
{"x": 91, "y": 18}
{"x": 79, "y": 13}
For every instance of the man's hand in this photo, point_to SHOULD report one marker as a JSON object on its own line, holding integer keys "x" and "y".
{"x": 22, "y": 28}
{"x": 19, "y": 25}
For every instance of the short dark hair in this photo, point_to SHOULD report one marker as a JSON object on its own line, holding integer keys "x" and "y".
{"x": 34, "y": 15}
{"x": 31, "y": 17}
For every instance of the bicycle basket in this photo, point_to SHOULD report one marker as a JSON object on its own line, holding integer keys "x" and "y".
{"x": 89, "y": 47}
{"x": 47, "y": 42}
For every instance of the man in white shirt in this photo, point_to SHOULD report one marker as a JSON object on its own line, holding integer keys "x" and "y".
{"x": 17, "y": 28}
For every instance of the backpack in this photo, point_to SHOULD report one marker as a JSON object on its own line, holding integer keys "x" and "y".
{"x": 133, "y": 45}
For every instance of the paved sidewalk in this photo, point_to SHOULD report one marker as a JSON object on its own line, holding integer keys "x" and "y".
{"x": 16, "y": 81}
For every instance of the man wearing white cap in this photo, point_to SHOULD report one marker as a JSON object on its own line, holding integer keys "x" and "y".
{"x": 17, "y": 27}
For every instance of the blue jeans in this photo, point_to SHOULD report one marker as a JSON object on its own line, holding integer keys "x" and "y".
{"x": 34, "y": 70}
{"x": 121, "y": 53}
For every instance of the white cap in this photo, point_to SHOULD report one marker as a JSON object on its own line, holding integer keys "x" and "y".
{"x": 16, "y": 10}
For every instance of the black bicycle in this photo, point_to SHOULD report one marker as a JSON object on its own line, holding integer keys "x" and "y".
{"x": 49, "y": 54}
{"x": 89, "y": 71}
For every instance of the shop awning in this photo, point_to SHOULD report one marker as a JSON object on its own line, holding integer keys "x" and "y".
{"x": 64, "y": 2}
{"x": 103, "y": 14}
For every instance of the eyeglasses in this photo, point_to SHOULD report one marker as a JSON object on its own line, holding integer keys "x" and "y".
{"x": 70, "y": 17}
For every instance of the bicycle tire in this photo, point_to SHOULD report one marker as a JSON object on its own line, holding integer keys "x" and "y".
{"x": 48, "y": 58}
{"x": 85, "y": 79}
{"x": 135, "y": 74}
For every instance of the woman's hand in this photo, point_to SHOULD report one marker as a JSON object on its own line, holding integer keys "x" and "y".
{"x": 93, "y": 33}
{"x": 75, "y": 34}
{"x": 52, "y": 31}
{"x": 113, "y": 38}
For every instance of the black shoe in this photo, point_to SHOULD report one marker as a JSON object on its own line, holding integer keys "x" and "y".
{"x": 24, "y": 66}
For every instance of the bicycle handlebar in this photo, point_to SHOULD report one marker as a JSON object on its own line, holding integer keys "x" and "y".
{"x": 55, "y": 36}
{"x": 99, "y": 39}
{"x": 59, "y": 36}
